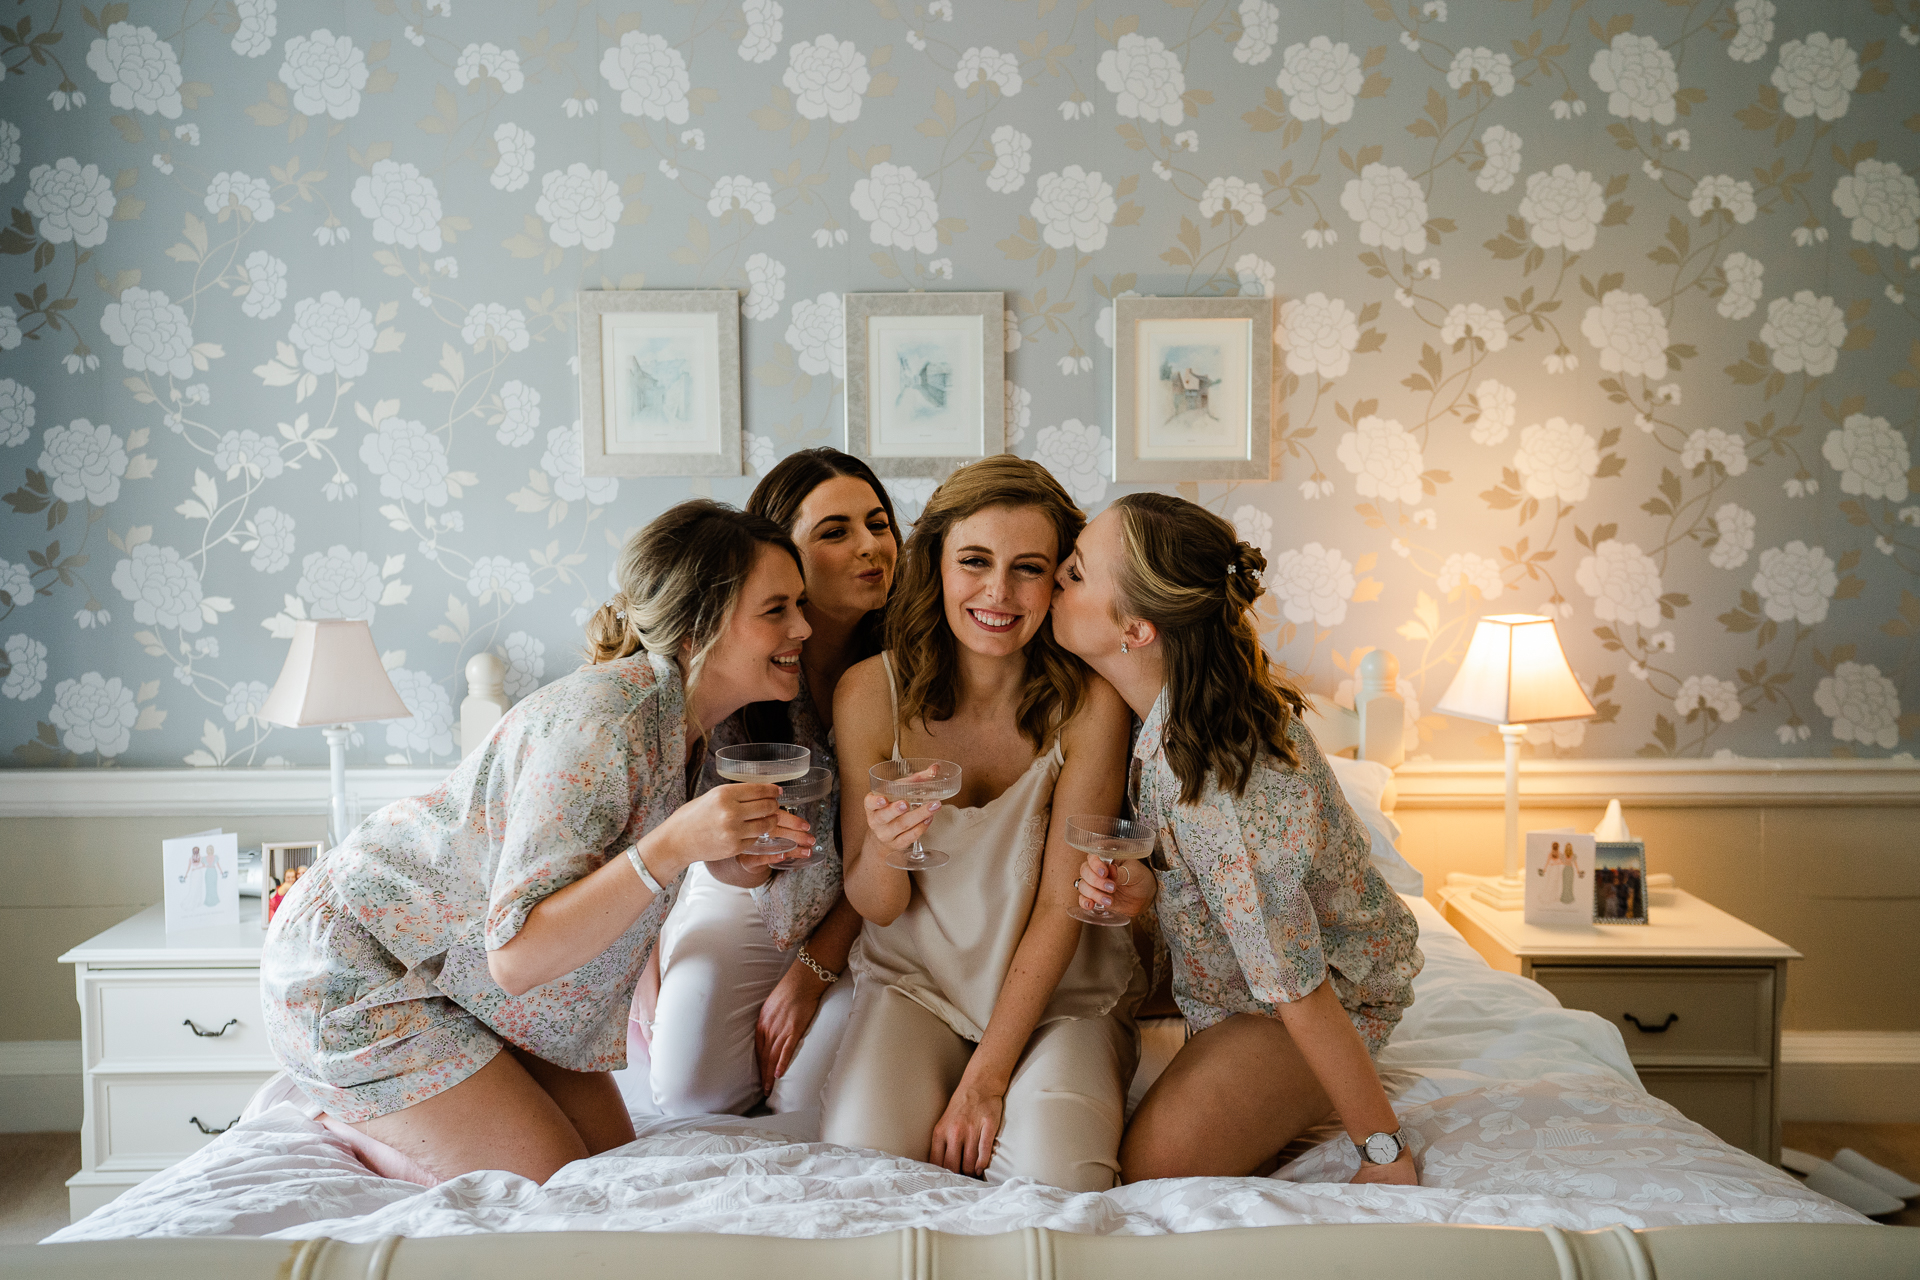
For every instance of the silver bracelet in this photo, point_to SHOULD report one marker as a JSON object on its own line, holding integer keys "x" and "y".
{"x": 820, "y": 971}
{"x": 646, "y": 876}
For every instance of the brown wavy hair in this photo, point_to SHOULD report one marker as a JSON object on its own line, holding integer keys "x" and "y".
{"x": 680, "y": 580}
{"x": 1187, "y": 573}
{"x": 923, "y": 645}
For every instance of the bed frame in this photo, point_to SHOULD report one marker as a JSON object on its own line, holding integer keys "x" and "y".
{"x": 1374, "y": 729}
{"x": 1416, "y": 1252}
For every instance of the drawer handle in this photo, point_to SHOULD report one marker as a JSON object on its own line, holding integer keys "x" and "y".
{"x": 195, "y": 1122}
{"x": 194, "y": 1027}
{"x": 1652, "y": 1031}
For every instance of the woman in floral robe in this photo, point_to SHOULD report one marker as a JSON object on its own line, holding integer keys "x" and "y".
{"x": 513, "y": 907}
{"x": 1292, "y": 959}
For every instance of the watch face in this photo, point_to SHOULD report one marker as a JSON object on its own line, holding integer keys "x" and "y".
{"x": 1383, "y": 1148}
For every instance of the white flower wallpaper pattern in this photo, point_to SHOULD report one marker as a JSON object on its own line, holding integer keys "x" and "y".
{"x": 1595, "y": 309}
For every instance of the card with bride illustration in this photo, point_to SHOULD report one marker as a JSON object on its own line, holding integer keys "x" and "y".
{"x": 200, "y": 876}
{"x": 1559, "y": 878}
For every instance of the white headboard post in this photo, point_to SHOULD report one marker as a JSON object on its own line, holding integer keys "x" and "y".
{"x": 1382, "y": 736}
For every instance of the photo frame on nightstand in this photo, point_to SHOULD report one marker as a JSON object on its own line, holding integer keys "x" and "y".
{"x": 1620, "y": 882}
{"x": 281, "y": 866}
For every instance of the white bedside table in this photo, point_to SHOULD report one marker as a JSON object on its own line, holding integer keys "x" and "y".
{"x": 1696, "y": 994}
{"x": 172, "y": 1045}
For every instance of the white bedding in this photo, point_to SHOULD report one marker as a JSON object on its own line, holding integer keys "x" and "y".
{"x": 1524, "y": 1114}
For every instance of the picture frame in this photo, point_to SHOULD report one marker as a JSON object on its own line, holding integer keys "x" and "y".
{"x": 281, "y": 865}
{"x": 1620, "y": 882}
{"x": 660, "y": 382}
{"x": 1559, "y": 878}
{"x": 925, "y": 379}
{"x": 200, "y": 880}
{"x": 1192, "y": 389}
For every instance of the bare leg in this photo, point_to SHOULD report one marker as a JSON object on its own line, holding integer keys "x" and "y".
{"x": 1228, "y": 1102}
{"x": 590, "y": 1100}
{"x": 497, "y": 1118}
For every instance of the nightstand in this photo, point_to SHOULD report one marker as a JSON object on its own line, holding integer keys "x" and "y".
{"x": 1696, "y": 994}
{"x": 172, "y": 1045}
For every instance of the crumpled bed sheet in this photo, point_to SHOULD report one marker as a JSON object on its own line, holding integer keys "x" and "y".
{"x": 1524, "y": 1114}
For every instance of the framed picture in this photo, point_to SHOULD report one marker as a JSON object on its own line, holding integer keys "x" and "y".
{"x": 1559, "y": 878}
{"x": 925, "y": 374}
{"x": 1620, "y": 882}
{"x": 281, "y": 866}
{"x": 660, "y": 382}
{"x": 200, "y": 880}
{"x": 1192, "y": 389}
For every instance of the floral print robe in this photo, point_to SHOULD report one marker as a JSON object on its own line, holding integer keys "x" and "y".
{"x": 1267, "y": 894}
{"x": 374, "y": 973}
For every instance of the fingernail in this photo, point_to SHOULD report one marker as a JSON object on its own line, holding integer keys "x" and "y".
{"x": 933, "y": 806}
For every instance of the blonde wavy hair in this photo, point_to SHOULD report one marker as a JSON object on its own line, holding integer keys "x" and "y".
{"x": 680, "y": 581}
{"x": 923, "y": 645}
{"x": 1185, "y": 571}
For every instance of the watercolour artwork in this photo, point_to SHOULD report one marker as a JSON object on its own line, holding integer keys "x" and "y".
{"x": 924, "y": 375}
{"x": 1192, "y": 389}
{"x": 662, "y": 375}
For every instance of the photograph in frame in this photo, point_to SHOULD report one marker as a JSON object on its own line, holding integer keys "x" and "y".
{"x": 1192, "y": 386}
{"x": 924, "y": 376}
{"x": 281, "y": 866}
{"x": 1620, "y": 882}
{"x": 660, "y": 382}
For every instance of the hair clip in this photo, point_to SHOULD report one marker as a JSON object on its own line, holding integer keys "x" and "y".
{"x": 621, "y": 614}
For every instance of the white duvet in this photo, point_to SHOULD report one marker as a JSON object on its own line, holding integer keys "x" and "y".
{"x": 1524, "y": 1114}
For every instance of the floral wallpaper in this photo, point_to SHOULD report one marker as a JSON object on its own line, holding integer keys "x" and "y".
{"x": 1597, "y": 309}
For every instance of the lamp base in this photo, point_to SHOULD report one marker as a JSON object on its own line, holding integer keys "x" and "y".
{"x": 1503, "y": 893}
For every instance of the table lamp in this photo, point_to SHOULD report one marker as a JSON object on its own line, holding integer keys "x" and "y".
{"x": 333, "y": 677}
{"x": 1515, "y": 674}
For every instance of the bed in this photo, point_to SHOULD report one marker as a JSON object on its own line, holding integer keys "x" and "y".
{"x": 1524, "y": 1115}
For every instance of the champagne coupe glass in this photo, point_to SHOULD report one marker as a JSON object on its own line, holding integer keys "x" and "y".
{"x": 797, "y": 798}
{"x": 919, "y": 781}
{"x": 1111, "y": 840}
{"x": 777, "y": 762}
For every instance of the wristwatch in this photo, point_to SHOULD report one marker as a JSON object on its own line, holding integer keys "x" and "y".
{"x": 1381, "y": 1148}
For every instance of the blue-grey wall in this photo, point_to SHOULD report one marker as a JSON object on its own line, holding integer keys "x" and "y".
{"x": 1599, "y": 309}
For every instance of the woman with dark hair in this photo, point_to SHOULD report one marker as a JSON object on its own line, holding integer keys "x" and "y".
{"x": 987, "y": 1034}
{"x": 750, "y": 1004}
{"x": 512, "y": 907}
{"x": 1292, "y": 959}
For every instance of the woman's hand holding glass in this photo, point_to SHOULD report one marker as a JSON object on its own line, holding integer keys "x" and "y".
{"x": 727, "y": 822}
{"x": 896, "y": 825}
{"x": 1123, "y": 888}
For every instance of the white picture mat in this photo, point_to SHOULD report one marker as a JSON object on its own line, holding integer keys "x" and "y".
{"x": 900, "y": 421}
{"x": 693, "y": 336}
{"x": 1193, "y": 435}
{"x": 1545, "y": 882}
{"x": 196, "y": 868}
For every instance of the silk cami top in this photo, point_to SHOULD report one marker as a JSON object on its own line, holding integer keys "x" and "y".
{"x": 952, "y": 947}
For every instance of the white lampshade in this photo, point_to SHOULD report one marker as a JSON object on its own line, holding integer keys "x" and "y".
{"x": 1515, "y": 672}
{"x": 332, "y": 676}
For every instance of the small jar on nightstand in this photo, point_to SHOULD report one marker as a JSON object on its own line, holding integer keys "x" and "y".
{"x": 1696, "y": 994}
